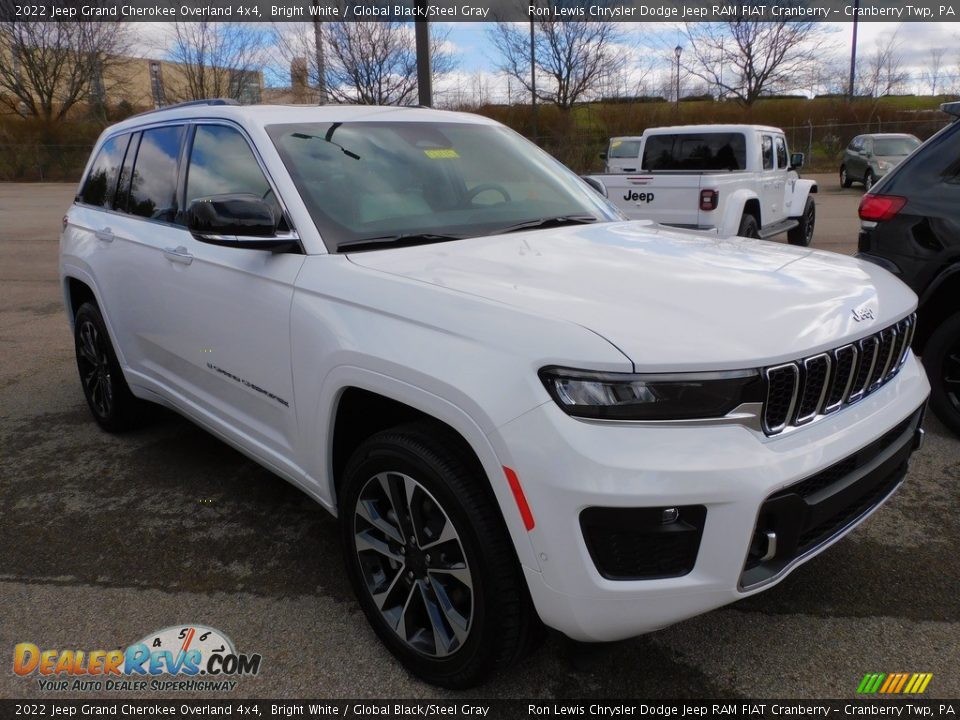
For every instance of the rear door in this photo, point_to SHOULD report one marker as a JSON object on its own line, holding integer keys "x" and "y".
{"x": 771, "y": 192}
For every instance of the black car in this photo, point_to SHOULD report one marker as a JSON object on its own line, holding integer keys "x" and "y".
{"x": 910, "y": 225}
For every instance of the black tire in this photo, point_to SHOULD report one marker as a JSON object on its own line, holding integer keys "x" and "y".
{"x": 112, "y": 404}
{"x": 868, "y": 181}
{"x": 845, "y": 180}
{"x": 476, "y": 576}
{"x": 802, "y": 234}
{"x": 941, "y": 358}
{"x": 748, "y": 227}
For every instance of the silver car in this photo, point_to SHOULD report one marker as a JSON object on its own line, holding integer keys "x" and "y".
{"x": 869, "y": 157}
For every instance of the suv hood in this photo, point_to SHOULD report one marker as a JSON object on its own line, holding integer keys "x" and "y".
{"x": 668, "y": 299}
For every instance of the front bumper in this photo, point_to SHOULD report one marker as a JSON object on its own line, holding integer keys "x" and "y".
{"x": 566, "y": 466}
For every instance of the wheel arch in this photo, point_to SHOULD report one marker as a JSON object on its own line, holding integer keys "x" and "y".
{"x": 76, "y": 292}
{"x": 802, "y": 189}
{"x": 939, "y": 302}
{"x": 741, "y": 202}
{"x": 363, "y": 403}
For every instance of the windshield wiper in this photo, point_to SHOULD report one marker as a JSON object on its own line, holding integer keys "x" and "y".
{"x": 560, "y": 221}
{"x": 403, "y": 239}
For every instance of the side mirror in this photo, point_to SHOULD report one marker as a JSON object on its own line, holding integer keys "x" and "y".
{"x": 595, "y": 184}
{"x": 796, "y": 161}
{"x": 603, "y": 156}
{"x": 242, "y": 221}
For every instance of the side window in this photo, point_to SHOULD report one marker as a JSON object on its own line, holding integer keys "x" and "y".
{"x": 222, "y": 163}
{"x": 857, "y": 144}
{"x": 153, "y": 186}
{"x": 100, "y": 185}
{"x": 766, "y": 148}
{"x": 782, "y": 159}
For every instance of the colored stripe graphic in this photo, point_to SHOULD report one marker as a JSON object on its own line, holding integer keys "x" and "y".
{"x": 894, "y": 683}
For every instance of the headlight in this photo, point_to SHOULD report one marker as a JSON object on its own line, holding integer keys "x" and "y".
{"x": 883, "y": 165}
{"x": 673, "y": 396}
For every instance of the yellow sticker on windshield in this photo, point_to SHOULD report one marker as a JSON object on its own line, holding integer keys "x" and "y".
{"x": 616, "y": 143}
{"x": 441, "y": 153}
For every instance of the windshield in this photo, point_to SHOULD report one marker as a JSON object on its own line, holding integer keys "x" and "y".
{"x": 624, "y": 149}
{"x": 895, "y": 146}
{"x": 372, "y": 180}
{"x": 704, "y": 151}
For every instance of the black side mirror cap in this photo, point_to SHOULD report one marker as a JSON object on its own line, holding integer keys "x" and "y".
{"x": 240, "y": 220}
{"x": 595, "y": 184}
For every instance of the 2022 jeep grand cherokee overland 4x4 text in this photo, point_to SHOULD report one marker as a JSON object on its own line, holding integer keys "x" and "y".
{"x": 521, "y": 407}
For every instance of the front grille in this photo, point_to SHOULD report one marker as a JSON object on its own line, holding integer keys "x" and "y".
{"x": 800, "y": 391}
{"x": 807, "y": 514}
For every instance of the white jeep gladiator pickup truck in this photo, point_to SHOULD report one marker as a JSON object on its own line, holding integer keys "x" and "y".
{"x": 523, "y": 409}
{"x": 727, "y": 179}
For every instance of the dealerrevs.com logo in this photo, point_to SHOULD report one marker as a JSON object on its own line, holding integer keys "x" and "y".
{"x": 184, "y": 658}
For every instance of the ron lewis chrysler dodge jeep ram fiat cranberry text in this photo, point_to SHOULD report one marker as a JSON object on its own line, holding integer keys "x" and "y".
{"x": 522, "y": 408}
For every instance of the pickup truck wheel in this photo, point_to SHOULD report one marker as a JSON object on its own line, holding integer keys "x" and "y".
{"x": 429, "y": 557}
{"x": 868, "y": 181}
{"x": 802, "y": 234}
{"x": 748, "y": 227}
{"x": 113, "y": 406}
{"x": 941, "y": 358}
{"x": 845, "y": 180}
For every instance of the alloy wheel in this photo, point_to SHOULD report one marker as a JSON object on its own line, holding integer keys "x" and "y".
{"x": 95, "y": 370}
{"x": 413, "y": 564}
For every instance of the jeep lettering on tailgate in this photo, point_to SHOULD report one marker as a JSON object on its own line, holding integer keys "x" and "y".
{"x": 639, "y": 197}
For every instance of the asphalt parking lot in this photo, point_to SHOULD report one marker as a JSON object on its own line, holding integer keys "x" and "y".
{"x": 104, "y": 539}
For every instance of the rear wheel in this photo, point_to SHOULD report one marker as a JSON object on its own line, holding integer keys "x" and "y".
{"x": 845, "y": 180}
{"x": 802, "y": 234}
{"x": 941, "y": 358}
{"x": 430, "y": 559}
{"x": 748, "y": 227}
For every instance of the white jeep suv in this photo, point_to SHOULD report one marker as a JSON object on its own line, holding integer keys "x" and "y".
{"x": 522, "y": 408}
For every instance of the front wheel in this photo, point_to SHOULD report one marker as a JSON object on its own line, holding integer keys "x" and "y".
{"x": 802, "y": 234}
{"x": 868, "y": 181}
{"x": 430, "y": 559}
{"x": 845, "y": 180}
{"x": 941, "y": 358}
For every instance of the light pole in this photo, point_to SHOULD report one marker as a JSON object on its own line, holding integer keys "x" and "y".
{"x": 677, "y": 51}
{"x": 853, "y": 51}
{"x": 533, "y": 82}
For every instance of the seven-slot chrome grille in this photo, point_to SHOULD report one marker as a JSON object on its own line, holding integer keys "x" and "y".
{"x": 798, "y": 392}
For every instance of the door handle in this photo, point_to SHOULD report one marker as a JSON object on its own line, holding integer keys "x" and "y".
{"x": 105, "y": 235}
{"x": 178, "y": 254}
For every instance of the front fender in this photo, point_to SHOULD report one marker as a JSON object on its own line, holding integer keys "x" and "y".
{"x": 797, "y": 199}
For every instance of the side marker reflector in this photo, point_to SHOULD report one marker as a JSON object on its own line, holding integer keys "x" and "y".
{"x": 519, "y": 498}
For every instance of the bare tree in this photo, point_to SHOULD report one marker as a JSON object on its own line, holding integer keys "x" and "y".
{"x": 47, "y": 68}
{"x": 217, "y": 60}
{"x": 571, "y": 56}
{"x": 362, "y": 62}
{"x": 933, "y": 75}
{"x": 746, "y": 59}
{"x": 375, "y": 62}
{"x": 882, "y": 72}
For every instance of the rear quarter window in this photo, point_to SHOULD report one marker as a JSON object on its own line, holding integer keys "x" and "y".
{"x": 100, "y": 185}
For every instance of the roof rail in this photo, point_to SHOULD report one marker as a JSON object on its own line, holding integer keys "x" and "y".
{"x": 953, "y": 108}
{"x": 191, "y": 103}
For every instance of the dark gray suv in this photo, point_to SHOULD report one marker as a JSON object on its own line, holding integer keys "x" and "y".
{"x": 869, "y": 157}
